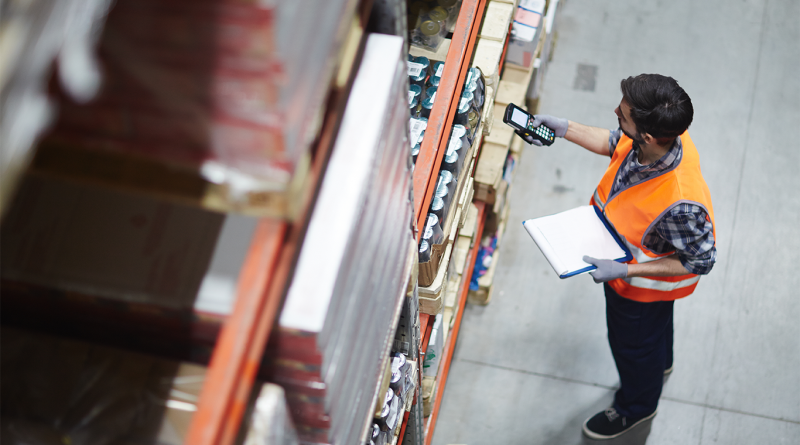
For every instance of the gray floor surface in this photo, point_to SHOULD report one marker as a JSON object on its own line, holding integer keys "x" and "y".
{"x": 532, "y": 365}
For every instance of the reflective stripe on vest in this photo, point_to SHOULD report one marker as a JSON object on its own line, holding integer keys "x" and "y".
{"x": 639, "y": 254}
{"x": 597, "y": 201}
{"x": 633, "y": 210}
{"x": 665, "y": 286}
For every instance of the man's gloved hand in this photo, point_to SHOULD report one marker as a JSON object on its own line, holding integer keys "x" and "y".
{"x": 557, "y": 124}
{"x": 607, "y": 270}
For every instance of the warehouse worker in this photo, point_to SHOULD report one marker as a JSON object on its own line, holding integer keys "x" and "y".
{"x": 654, "y": 195}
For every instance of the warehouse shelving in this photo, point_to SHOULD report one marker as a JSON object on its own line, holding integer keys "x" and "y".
{"x": 450, "y": 342}
{"x": 431, "y": 153}
{"x": 440, "y": 122}
{"x": 234, "y": 345}
{"x": 237, "y": 341}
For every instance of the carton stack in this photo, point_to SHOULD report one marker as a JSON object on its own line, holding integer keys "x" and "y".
{"x": 232, "y": 88}
{"x": 337, "y": 326}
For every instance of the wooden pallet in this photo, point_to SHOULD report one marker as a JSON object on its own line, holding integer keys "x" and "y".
{"x": 464, "y": 242}
{"x": 511, "y": 88}
{"x": 483, "y": 295}
{"x": 429, "y": 270}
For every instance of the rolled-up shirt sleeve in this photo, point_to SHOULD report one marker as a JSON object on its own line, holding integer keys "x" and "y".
{"x": 687, "y": 228}
{"x": 613, "y": 140}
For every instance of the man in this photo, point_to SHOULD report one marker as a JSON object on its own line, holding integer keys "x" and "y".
{"x": 655, "y": 197}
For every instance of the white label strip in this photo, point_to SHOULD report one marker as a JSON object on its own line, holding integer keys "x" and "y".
{"x": 414, "y": 69}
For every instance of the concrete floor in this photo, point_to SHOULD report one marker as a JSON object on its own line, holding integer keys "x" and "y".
{"x": 531, "y": 366}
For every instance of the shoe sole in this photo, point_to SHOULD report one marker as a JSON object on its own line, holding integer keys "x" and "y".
{"x": 592, "y": 435}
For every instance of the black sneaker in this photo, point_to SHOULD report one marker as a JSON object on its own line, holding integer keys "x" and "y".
{"x": 609, "y": 424}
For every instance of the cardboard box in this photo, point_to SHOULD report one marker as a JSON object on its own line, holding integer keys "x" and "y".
{"x": 527, "y": 26}
{"x": 109, "y": 244}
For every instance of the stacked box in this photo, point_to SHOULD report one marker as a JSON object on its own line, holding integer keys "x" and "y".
{"x": 34, "y": 35}
{"x": 525, "y": 33}
{"x": 336, "y": 328}
{"x": 542, "y": 62}
{"x": 233, "y": 88}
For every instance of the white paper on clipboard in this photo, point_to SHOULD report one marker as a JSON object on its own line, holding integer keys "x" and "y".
{"x": 564, "y": 239}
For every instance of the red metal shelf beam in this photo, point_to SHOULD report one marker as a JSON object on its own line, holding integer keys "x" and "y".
{"x": 444, "y": 109}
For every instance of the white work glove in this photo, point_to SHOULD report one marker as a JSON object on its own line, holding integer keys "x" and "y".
{"x": 607, "y": 270}
{"x": 557, "y": 124}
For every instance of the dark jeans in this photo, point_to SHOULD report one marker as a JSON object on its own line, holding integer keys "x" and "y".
{"x": 640, "y": 336}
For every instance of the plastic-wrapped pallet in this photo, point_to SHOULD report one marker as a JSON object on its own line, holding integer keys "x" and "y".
{"x": 36, "y": 33}
{"x": 270, "y": 423}
{"x": 232, "y": 88}
{"x": 337, "y": 322}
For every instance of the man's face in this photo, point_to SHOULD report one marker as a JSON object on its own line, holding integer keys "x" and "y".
{"x": 623, "y": 112}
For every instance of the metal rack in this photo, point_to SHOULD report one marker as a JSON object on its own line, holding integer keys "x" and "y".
{"x": 434, "y": 145}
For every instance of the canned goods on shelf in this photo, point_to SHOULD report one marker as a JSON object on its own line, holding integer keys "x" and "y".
{"x": 437, "y": 208}
{"x": 427, "y": 103}
{"x": 424, "y": 252}
{"x": 418, "y": 70}
{"x": 433, "y": 230}
{"x": 451, "y": 162}
{"x": 462, "y": 114}
{"x": 461, "y": 132}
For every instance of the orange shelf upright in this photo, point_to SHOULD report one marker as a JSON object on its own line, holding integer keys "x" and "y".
{"x": 434, "y": 144}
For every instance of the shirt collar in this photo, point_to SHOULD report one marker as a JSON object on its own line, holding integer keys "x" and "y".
{"x": 671, "y": 158}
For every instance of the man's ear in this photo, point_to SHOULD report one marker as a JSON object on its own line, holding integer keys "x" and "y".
{"x": 649, "y": 139}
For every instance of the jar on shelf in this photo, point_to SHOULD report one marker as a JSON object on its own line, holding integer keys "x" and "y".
{"x": 416, "y": 12}
{"x": 424, "y": 252}
{"x": 451, "y": 162}
{"x": 462, "y": 114}
{"x": 437, "y": 208}
{"x": 418, "y": 70}
{"x": 427, "y": 104}
{"x": 414, "y": 93}
{"x": 433, "y": 230}
{"x": 445, "y": 187}
{"x": 431, "y": 30}
{"x": 460, "y": 131}
{"x": 473, "y": 121}
{"x": 476, "y": 85}
{"x": 452, "y": 7}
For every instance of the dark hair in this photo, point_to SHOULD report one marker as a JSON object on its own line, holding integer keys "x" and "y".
{"x": 659, "y": 106}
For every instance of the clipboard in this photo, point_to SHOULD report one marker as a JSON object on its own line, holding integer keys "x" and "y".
{"x": 564, "y": 238}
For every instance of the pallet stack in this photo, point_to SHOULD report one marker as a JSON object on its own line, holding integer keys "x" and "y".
{"x": 340, "y": 312}
{"x": 502, "y": 149}
{"x": 128, "y": 275}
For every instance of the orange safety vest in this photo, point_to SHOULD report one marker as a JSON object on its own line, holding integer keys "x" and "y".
{"x": 634, "y": 210}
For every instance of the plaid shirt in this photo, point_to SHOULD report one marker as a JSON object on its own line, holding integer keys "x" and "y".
{"x": 684, "y": 228}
